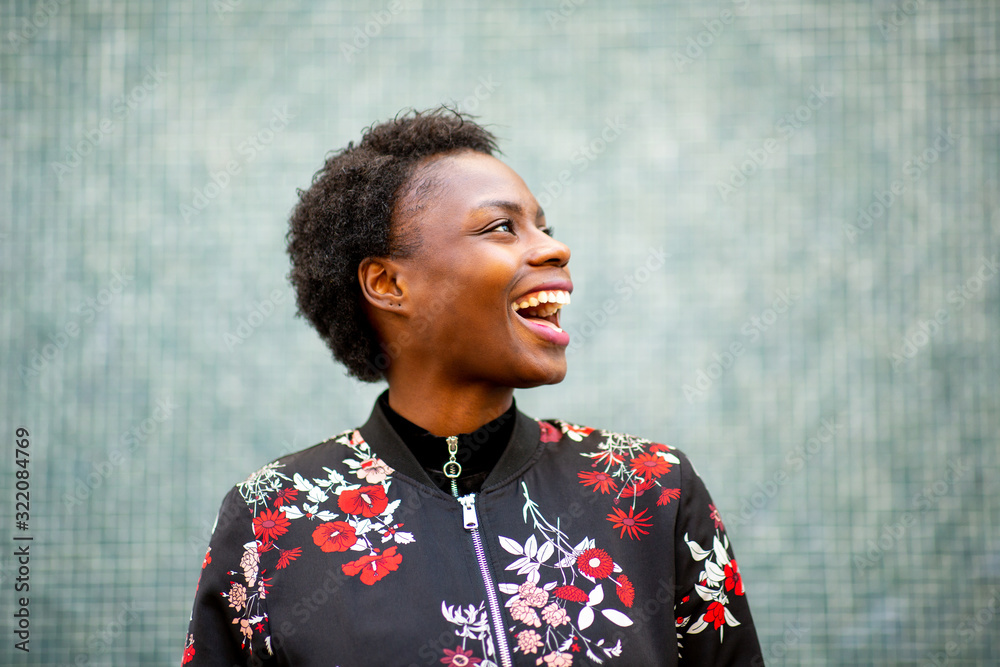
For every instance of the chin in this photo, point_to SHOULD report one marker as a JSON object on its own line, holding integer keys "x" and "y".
{"x": 541, "y": 376}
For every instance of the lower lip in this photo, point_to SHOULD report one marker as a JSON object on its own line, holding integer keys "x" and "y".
{"x": 555, "y": 337}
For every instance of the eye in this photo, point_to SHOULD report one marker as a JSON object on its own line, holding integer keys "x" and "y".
{"x": 503, "y": 226}
{"x": 548, "y": 230}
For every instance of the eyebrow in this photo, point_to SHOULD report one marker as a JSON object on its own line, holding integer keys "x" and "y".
{"x": 511, "y": 206}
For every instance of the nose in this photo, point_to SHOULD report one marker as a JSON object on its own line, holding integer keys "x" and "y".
{"x": 548, "y": 250}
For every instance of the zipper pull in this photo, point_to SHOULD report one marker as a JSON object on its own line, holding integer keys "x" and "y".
{"x": 469, "y": 511}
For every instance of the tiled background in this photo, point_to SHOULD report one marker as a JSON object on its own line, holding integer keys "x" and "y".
{"x": 127, "y": 259}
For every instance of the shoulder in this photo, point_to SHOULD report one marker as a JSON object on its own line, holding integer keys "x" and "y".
{"x": 323, "y": 462}
{"x": 610, "y": 446}
{"x": 622, "y": 463}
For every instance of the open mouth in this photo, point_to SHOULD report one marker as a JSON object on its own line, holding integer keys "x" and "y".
{"x": 542, "y": 307}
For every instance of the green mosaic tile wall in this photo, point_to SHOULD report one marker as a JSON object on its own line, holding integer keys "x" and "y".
{"x": 793, "y": 209}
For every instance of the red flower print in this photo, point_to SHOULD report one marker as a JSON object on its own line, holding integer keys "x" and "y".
{"x": 208, "y": 558}
{"x": 667, "y": 495}
{"x": 636, "y": 489}
{"x": 459, "y": 657}
{"x": 335, "y": 536}
{"x": 601, "y": 481}
{"x": 716, "y": 614}
{"x": 714, "y": 514}
{"x": 549, "y": 432}
{"x": 625, "y": 590}
{"x": 287, "y": 556}
{"x": 734, "y": 580}
{"x": 649, "y": 466}
{"x": 188, "y": 655}
{"x": 595, "y": 563}
{"x": 657, "y": 447}
{"x": 630, "y": 523}
{"x": 285, "y": 496}
{"x": 270, "y": 524}
{"x": 571, "y": 593}
{"x": 374, "y": 568}
{"x": 367, "y": 501}
{"x": 606, "y": 457}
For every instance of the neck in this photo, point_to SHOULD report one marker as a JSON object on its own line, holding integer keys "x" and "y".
{"x": 445, "y": 411}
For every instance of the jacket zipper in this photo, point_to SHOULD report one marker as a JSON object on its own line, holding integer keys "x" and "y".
{"x": 471, "y": 523}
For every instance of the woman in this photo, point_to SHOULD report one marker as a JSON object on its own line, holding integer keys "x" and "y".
{"x": 451, "y": 528}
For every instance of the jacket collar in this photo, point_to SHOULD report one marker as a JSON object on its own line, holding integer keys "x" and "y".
{"x": 524, "y": 447}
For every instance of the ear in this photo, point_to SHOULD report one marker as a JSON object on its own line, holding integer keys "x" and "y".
{"x": 381, "y": 284}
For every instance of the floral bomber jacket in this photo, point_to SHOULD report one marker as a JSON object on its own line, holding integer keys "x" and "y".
{"x": 584, "y": 547}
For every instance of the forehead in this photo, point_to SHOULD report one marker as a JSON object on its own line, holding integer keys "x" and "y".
{"x": 463, "y": 181}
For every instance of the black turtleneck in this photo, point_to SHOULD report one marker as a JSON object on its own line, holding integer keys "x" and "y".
{"x": 478, "y": 452}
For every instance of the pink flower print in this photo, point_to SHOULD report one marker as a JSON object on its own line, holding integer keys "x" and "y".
{"x": 555, "y": 615}
{"x": 534, "y": 596}
{"x": 555, "y": 659}
{"x": 529, "y": 641}
{"x": 373, "y": 470}
{"x": 522, "y": 611}
{"x": 237, "y": 597}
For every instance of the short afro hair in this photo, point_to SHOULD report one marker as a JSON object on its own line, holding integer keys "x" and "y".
{"x": 347, "y": 215}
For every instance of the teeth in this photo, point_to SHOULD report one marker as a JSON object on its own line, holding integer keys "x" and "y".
{"x": 540, "y": 298}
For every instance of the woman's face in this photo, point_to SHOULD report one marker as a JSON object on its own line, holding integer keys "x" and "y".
{"x": 484, "y": 286}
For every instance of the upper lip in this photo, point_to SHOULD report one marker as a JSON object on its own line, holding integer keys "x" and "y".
{"x": 562, "y": 285}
